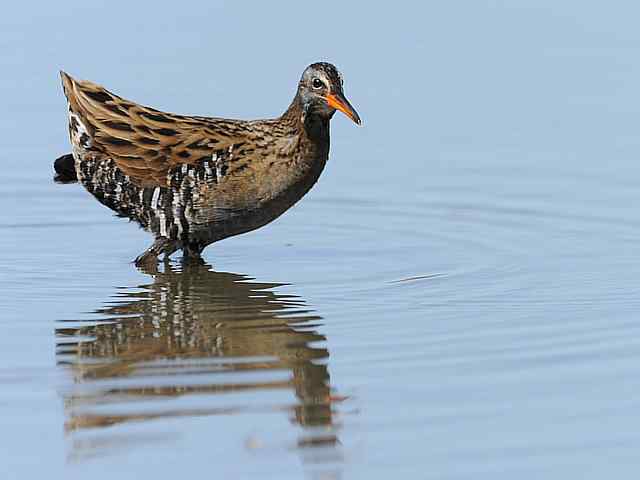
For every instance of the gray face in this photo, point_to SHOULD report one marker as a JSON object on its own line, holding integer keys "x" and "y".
{"x": 320, "y": 90}
{"x": 319, "y": 80}
{"x": 322, "y": 73}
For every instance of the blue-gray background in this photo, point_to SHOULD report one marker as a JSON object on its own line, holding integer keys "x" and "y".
{"x": 472, "y": 253}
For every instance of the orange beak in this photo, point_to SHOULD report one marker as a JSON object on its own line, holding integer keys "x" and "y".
{"x": 337, "y": 101}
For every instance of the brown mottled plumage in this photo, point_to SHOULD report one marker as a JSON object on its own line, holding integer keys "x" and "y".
{"x": 192, "y": 181}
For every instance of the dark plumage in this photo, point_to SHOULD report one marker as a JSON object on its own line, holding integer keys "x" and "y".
{"x": 65, "y": 167}
{"x": 192, "y": 181}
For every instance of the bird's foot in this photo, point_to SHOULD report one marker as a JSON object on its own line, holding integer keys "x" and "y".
{"x": 190, "y": 259}
{"x": 192, "y": 255}
{"x": 149, "y": 258}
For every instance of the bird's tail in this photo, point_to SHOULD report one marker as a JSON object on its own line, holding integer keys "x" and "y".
{"x": 65, "y": 168}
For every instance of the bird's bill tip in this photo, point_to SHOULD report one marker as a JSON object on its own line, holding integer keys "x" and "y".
{"x": 337, "y": 101}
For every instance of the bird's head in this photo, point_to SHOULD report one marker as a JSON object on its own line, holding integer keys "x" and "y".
{"x": 320, "y": 90}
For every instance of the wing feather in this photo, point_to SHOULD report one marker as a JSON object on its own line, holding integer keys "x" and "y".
{"x": 143, "y": 142}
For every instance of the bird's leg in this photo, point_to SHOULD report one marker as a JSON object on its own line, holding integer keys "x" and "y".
{"x": 191, "y": 253}
{"x": 150, "y": 255}
{"x": 169, "y": 249}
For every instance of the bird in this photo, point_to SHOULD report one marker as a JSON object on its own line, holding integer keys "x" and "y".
{"x": 191, "y": 181}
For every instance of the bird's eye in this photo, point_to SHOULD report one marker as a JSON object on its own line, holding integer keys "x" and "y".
{"x": 317, "y": 83}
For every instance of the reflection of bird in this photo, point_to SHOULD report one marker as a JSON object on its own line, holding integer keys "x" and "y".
{"x": 192, "y": 181}
{"x": 187, "y": 325}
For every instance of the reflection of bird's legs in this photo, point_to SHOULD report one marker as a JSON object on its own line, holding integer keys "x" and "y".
{"x": 191, "y": 253}
{"x": 150, "y": 256}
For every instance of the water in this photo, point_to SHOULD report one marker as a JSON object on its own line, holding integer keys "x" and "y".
{"x": 456, "y": 298}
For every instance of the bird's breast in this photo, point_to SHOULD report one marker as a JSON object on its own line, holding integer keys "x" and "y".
{"x": 269, "y": 183}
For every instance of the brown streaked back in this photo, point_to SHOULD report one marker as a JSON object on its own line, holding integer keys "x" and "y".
{"x": 143, "y": 142}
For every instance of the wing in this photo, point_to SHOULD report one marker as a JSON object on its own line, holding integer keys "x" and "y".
{"x": 144, "y": 143}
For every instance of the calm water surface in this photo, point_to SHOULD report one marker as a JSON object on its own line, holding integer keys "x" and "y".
{"x": 457, "y": 298}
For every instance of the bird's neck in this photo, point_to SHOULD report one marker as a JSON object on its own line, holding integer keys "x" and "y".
{"x": 311, "y": 126}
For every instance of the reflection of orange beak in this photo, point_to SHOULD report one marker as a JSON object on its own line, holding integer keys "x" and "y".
{"x": 337, "y": 101}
